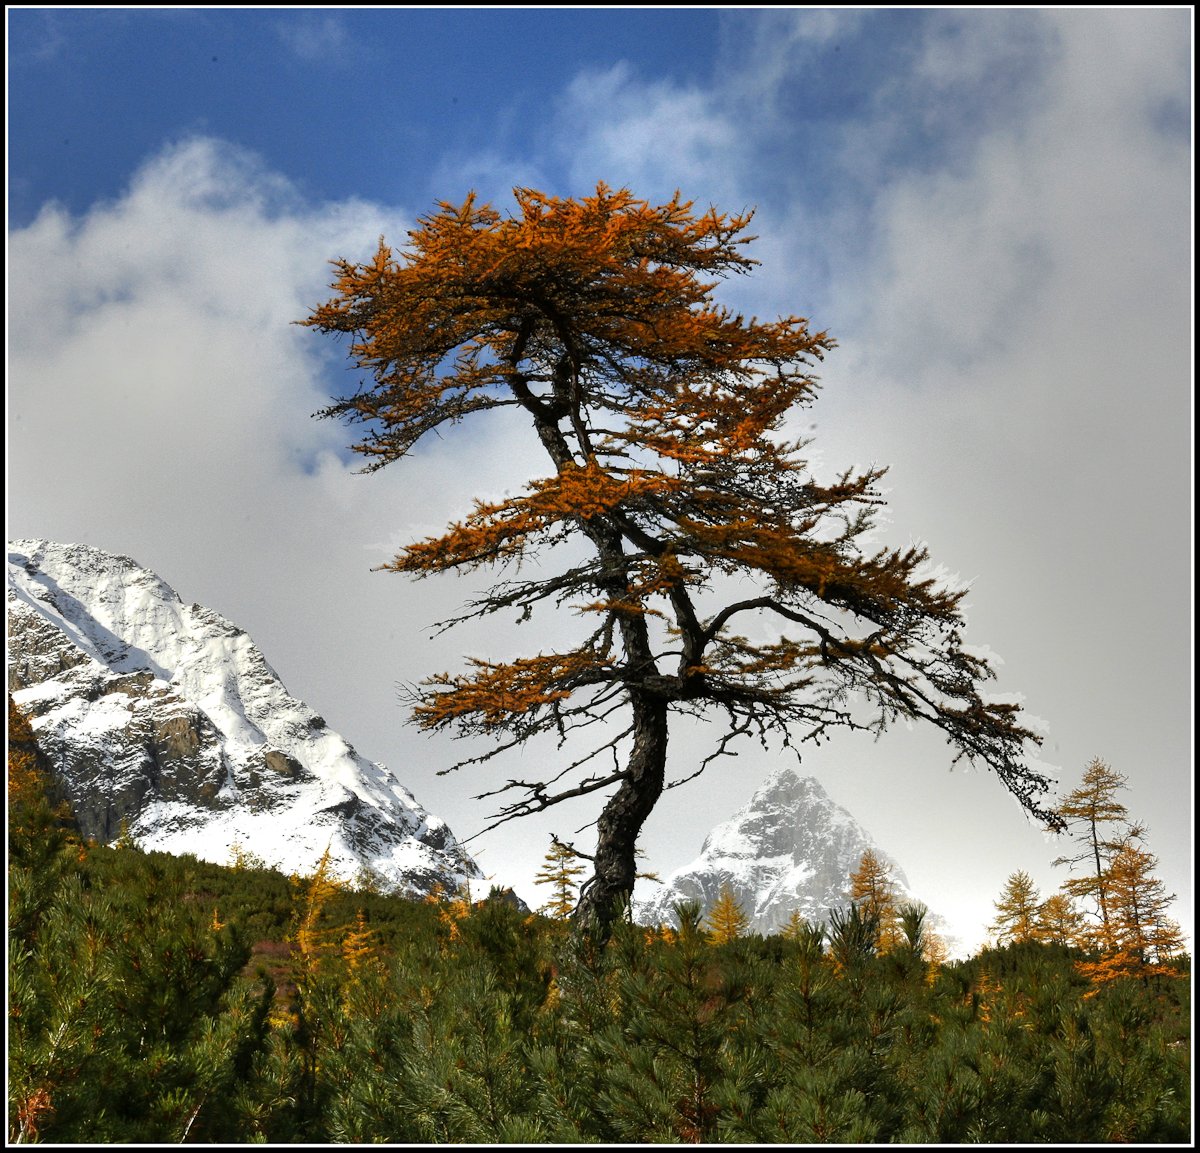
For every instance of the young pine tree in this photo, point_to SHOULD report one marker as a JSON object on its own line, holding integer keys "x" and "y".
{"x": 921, "y": 951}
{"x": 671, "y": 1060}
{"x": 853, "y": 938}
{"x": 129, "y": 1022}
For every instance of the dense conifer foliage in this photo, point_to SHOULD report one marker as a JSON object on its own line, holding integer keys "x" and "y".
{"x": 127, "y": 1017}
{"x": 160, "y": 999}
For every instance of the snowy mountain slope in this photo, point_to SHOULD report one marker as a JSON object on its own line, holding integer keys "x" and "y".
{"x": 790, "y": 848}
{"x": 168, "y": 718}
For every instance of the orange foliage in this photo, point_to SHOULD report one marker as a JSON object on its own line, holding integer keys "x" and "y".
{"x": 451, "y": 910}
{"x": 873, "y": 889}
{"x": 312, "y": 936}
{"x": 1138, "y": 937}
{"x": 503, "y": 531}
{"x": 26, "y": 781}
{"x": 727, "y": 920}
{"x": 32, "y": 1111}
{"x": 496, "y": 692}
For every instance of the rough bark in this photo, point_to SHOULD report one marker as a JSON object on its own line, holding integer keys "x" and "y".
{"x": 607, "y": 892}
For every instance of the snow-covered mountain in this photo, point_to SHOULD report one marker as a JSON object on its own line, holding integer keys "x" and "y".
{"x": 790, "y": 848}
{"x": 166, "y": 718}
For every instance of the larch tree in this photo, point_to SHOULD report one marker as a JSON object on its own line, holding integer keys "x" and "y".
{"x": 559, "y": 872}
{"x": 1059, "y": 922}
{"x": 727, "y": 920}
{"x": 796, "y": 925}
{"x": 313, "y": 894}
{"x": 873, "y": 889}
{"x": 1017, "y": 911}
{"x": 360, "y": 944}
{"x": 1139, "y": 935}
{"x": 669, "y": 469}
{"x": 1087, "y": 813}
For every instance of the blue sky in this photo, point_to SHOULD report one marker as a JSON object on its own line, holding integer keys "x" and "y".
{"x": 357, "y": 103}
{"x": 991, "y": 211}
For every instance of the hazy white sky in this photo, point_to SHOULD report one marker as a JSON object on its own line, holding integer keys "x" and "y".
{"x": 990, "y": 211}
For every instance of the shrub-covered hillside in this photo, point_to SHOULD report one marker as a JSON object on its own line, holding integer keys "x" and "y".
{"x": 160, "y": 999}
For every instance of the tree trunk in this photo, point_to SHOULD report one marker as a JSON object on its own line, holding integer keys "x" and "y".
{"x": 610, "y": 887}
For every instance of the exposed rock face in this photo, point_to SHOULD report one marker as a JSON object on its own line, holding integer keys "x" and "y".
{"x": 789, "y": 849}
{"x": 167, "y": 718}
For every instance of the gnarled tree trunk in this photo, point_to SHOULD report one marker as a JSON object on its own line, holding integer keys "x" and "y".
{"x": 610, "y": 887}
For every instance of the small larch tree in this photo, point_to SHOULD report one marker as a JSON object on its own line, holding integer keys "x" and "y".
{"x": 727, "y": 920}
{"x": 1059, "y": 922}
{"x": 1018, "y": 911}
{"x": 1139, "y": 935}
{"x": 559, "y": 872}
{"x": 669, "y": 468}
{"x": 1088, "y": 813}
{"x": 873, "y": 889}
{"x": 360, "y": 944}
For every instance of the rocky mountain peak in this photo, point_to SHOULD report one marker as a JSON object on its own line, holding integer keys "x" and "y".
{"x": 165, "y": 719}
{"x": 789, "y": 848}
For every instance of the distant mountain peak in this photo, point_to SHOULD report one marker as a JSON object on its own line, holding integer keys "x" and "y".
{"x": 167, "y": 718}
{"x": 789, "y": 848}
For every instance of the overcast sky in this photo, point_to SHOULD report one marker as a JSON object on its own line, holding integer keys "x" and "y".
{"x": 990, "y": 211}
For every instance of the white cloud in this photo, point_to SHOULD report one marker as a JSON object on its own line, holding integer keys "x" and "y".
{"x": 165, "y": 317}
{"x": 765, "y": 51}
{"x": 161, "y": 395}
{"x": 1020, "y": 352}
{"x": 312, "y": 37}
{"x": 652, "y": 137}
